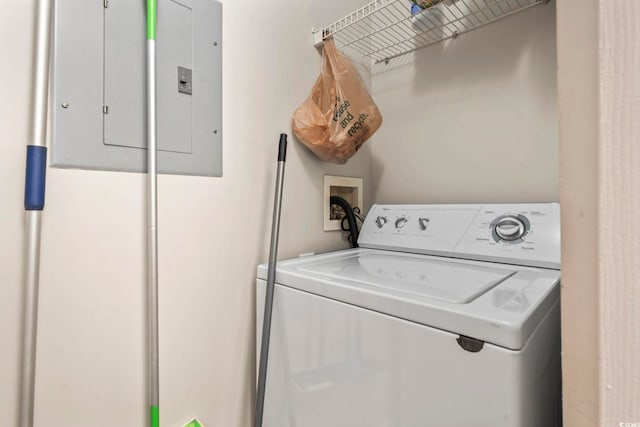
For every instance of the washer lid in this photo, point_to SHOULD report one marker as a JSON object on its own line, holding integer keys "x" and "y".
{"x": 498, "y": 303}
{"x": 448, "y": 281}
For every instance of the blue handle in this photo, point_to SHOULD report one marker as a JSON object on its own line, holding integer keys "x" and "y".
{"x": 35, "y": 178}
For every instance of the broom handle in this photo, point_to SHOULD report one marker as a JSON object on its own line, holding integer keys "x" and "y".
{"x": 271, "y": 278}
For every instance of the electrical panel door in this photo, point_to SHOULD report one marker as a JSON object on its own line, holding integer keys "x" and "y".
{"x": 99, "y": 86}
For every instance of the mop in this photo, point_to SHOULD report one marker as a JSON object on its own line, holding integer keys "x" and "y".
{"x": 34, "y": 198}
{"x": 271, "y": 278}
{"x": 152, "y": 236}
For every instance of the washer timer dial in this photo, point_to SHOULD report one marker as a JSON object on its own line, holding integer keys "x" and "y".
{"x": 510, "y": 228}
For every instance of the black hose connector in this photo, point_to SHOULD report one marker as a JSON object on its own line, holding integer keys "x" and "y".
{"x": 351, "y": 218}
{"x": 282, "y": 149}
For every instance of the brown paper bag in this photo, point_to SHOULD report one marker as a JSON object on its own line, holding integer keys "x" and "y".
{"x": 339, "y": 114}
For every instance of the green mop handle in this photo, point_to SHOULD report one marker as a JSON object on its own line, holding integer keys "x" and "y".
{"x": 151, "y": 20}
{"x": 154, "y": 374}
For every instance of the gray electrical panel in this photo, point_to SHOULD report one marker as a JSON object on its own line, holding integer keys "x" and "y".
{"x": 99, "y": 86}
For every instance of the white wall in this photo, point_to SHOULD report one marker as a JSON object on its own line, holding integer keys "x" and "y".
{"x": 578, "y": 90}
{"x": 473, "y": 119}
{"x": 619, "y": 203}
{"x": 600, "y": 195}
{"x": 213, "y": 232}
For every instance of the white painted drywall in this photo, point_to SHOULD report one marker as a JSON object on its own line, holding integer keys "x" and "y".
{"x": 473, "y": 119}
{"x": 213, "y": 232}
{"x": 619, "y": 203}
{"x": 578, "y": 81}
{"x": 600, "y": 196}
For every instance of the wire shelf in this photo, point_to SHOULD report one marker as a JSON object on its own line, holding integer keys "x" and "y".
{"x": 386, "y": 29}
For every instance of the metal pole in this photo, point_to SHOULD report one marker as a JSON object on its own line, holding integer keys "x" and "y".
{"x": 152, "y": 174}
{"x": 35, "y": 177}
{"x": 30, "y": 321}
{"x": 271, "y": 278}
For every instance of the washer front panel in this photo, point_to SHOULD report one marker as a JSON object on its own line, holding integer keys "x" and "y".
{"x": 333, "y": 364}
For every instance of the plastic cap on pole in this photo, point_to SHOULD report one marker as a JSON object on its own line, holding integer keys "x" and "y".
{"x": 282, "y": 149}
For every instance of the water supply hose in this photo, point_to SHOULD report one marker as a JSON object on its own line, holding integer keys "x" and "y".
{"x": 350, "y": 217}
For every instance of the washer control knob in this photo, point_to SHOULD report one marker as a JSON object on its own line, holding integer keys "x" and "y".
{"x": 423, "y": 223}
{"x": 381, "y": 221}
{"x": 510, "y": 228}
{"x": 401, "y": 222}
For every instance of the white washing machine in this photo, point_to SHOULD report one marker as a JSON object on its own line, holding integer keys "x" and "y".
{"x": 446, "y": 316}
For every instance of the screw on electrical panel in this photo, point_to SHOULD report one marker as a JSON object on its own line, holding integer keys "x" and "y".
{"x": 65, "y": 105}
{"x": 215, "y": 131}
{"x": 215, "y": 43}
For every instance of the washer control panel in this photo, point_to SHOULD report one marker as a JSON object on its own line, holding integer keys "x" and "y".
{"x": 523, "y": 234}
